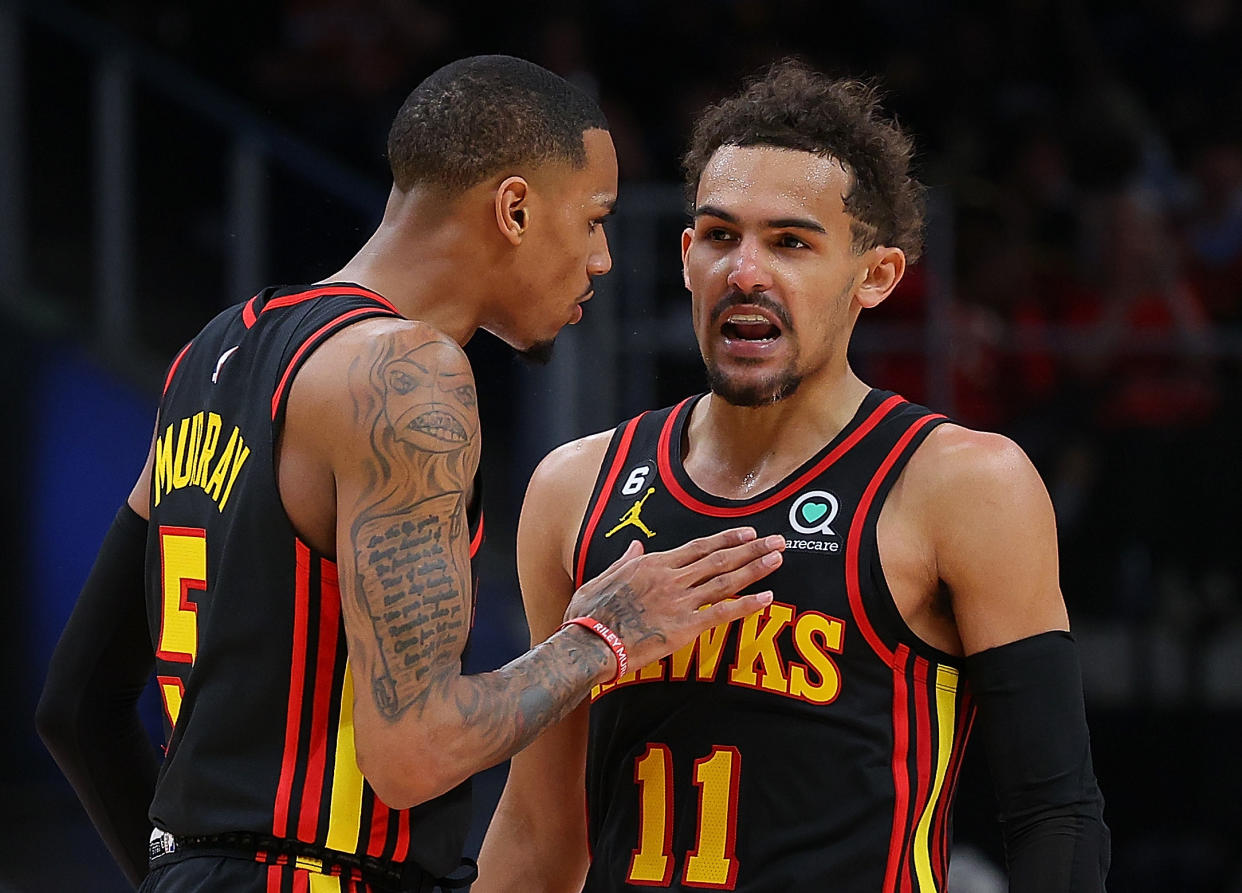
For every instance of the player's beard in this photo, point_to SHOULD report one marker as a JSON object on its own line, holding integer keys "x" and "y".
{"x": 539, "y": 353}
{"x": 739, "y": 392}
{"x": 743, "y": 390}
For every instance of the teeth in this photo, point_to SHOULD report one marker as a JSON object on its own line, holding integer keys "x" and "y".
{"x": 746, "y": 318}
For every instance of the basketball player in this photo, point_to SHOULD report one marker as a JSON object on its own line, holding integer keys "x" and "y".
{"x": 313, "y": 507}
{"x": 815, "y": 745}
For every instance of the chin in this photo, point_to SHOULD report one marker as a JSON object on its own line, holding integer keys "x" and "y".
{"x": 539, "y": 353}
{"x": 743, "y": 390}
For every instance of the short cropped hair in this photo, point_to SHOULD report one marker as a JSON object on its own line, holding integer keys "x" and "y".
{"x": 479, "y": 116}
{"x": 790, "y": 106}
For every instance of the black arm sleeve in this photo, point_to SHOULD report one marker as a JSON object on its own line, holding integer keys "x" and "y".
{"x": 1033, "y": 727}
{"x": 88, "y": 716}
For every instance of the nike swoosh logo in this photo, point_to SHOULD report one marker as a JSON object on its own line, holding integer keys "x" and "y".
{"x": 220, "y": 362}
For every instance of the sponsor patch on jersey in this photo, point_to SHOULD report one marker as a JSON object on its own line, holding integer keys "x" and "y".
{"x": 813, "y": 514}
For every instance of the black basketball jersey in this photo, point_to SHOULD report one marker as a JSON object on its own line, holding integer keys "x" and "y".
{"x": 814, "y": 746}
{"x": 251, "y": 655}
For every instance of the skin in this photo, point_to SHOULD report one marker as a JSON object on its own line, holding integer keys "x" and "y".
{"x": 379, "y": 451}
{"x": 967, "y": 537}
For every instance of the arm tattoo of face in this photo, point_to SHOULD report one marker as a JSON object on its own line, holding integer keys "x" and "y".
{"x": 410, "y": 538}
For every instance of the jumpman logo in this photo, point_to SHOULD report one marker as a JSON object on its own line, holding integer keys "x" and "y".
{"x": 631, "y": 517}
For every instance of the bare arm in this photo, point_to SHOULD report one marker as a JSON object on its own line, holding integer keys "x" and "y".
{"x": 537, "y": 839}
{"x": 996, "y": 550}
{"x": 403, "y": 444}
{"x": 994, "y": 537}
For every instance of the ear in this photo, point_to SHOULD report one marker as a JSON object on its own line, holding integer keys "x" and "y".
{"x": 687, "y": 238}
{"x": 512, "y": 215}
{"x": 886, "y": 267}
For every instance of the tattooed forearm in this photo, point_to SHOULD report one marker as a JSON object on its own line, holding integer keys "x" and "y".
{"x": 511, "y": 706}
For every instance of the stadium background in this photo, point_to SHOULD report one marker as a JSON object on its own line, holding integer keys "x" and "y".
{"x": 1082, "y": 293}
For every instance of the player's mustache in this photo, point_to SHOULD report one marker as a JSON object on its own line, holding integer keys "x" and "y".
{"x": 735, "y": 296}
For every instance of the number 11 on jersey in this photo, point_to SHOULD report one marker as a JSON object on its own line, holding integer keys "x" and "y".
{"x": 711, "y": 864}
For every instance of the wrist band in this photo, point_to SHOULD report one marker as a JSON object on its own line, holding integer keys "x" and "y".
{"x": 611, "y": 639}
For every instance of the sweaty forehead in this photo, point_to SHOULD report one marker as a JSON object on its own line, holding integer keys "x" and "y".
{"x": 768, "y": 180}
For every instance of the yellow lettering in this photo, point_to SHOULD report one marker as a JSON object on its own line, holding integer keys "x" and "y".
{"x": 181, "y": 470}
{"x": 243, "y": 452}
{"x": 163, "y": 464}
{"x": 211, "y": 437}
{"x": 216, "y": 481}
{"x": 196, "y": 441}
{"x": 708, "y": 645}
{"x": 814, "y": 636}
{"x": 757, "y": 645}
{"x": 653, "y": 672}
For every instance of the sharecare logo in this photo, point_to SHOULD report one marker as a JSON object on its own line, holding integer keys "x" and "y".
{"x": 814, "y": 512}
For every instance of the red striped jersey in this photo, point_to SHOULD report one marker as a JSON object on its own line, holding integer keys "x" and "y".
{"x": 251, "y": 656}
{"x": 813, "y": 746}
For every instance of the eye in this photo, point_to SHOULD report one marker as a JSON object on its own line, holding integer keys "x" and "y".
{"x": 465, "y": 394}
{"x": 718, "y": 234}
{"x": 785, "y": 240}
{"x": 400, "y": 382}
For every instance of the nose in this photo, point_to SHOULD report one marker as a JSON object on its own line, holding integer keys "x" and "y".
{"x": 599, "y": 261}
{"x": 749, "y": 270}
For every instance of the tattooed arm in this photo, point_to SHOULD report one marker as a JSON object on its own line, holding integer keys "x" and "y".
{"x": 395, "y": 421}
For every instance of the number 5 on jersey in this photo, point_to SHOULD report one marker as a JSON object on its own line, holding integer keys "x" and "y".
{"x": 183, "y": 566}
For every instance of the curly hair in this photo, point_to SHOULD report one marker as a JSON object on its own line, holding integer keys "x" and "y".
{"x": 791, "y": 106}
{"x": 482, "y": 115}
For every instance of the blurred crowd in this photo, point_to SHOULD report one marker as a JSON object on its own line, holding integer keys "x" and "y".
{"x": 1091, "y": 154}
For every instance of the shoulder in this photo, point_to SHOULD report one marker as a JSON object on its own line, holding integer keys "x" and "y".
{"x": 380, "y": 353}
{"x": 968, "y": 487}
{"x": 561, "y": 484}
{"x": 556, "y": 500}
{"x": 959, "y": 465}
{"x": 572, "y": 465}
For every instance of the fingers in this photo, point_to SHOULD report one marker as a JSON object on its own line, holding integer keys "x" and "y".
{"x": 733, "y": 609}
{"x": 703, "y": 546}
{"x": 718, "y": 586}
{"x": 725, "y": 561}
{"x": 634, "y": 549}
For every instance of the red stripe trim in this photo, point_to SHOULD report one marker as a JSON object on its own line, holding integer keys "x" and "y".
{"x": 402, "y": 849}
{"x": 623, "y": 450}
{"x": 297, "y": 680}
{"x": 310, "y": 294}
{"x": 379, "y": 827}
{"x": 854, "y": 542}
{"x": 172, "y": 370}
{"x": 664, "y": 460}
{"x": 922, "y": 747}
{"x": 301, "y": 880}
{"x": 320, "y": 732}
{"x": 273, "y": 879}
{"x": 248, "y": 314}
{"x": 306, "y": 345}
{"x": 901, "y": 781}
{"x": 478, "y": 538}
{"x": 965, "y": 720}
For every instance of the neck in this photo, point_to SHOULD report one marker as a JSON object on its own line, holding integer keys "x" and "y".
{"x": 416, "y": 260}
{"x": 737, "y": 451}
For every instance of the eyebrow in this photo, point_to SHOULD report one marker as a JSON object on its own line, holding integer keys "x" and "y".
{"x": 779, "y": 223}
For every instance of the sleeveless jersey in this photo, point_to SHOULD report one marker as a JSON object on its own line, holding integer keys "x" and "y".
{"x": 251, "y": 654}
{"x": 814, "y": 746}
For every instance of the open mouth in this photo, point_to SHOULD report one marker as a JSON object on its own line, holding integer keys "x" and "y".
{"x": 749, "y": 326}
{"x": 439, "y": 425}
